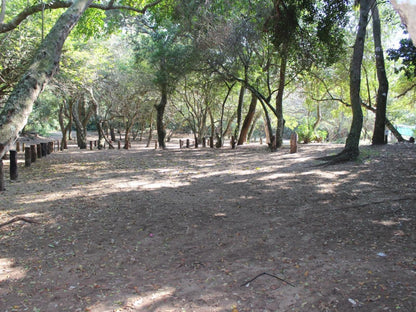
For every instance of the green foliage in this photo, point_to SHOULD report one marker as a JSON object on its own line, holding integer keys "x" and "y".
{"x": 406, "y": 53}
{"x": 40, "y": 120}
{"x": 307, "y": 134}
{"x": 91, "y": 24}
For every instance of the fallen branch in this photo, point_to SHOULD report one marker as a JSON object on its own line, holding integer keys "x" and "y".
{"x": 15, "y": 219}
{"x": 268, "y": 274}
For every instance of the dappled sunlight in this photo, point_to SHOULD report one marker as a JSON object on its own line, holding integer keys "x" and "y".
{"x": 9, "y": 271}
{"x": 391, "y": 222}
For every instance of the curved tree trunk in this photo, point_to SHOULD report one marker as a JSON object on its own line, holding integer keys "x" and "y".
{"x": 14, "y": 115}
{"x": 383, "y": 84}
{"x": 351, "y": 150}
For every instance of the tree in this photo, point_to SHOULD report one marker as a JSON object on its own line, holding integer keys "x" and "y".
{"x": 351, "y": 150}
{"x": 15, "y": 112}
{"x": 169, "y": 57}
{"x": 383, "y": 84}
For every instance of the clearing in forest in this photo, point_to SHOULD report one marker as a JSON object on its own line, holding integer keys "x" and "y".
{"x": 195, "y": 229}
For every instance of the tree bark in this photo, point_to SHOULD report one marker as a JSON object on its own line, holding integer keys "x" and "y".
{"x": 160, "y": 110}
{"x": 248, "y": 120}
{"x": 239, "y": 110}
{"x": 2, "y": 11}
{"x": 351, "y": 150}
{"x": 383, "y": 84}
{"x": 80, "y": 124}
{"x": 14, "y": 115}
{"x": 279, "y": 102}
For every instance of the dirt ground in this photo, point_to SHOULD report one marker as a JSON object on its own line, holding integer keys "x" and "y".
{"x": 194, "y": 229}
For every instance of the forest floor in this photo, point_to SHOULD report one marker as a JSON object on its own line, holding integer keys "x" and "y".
{"x": 195, "y": 229}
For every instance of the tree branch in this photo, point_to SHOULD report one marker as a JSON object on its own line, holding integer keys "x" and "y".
{"x": 18, "y": 19}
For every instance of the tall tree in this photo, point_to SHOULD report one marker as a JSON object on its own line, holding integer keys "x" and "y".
{"x": 14, "y": 114}
{"x": 383, "y": 84}
{"x": 351, "y": 150}
{"x": 169, "y": 57}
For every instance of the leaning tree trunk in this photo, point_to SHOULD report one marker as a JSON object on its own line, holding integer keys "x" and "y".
{"x": 383, "y": 84}
{"x": 160, "y": 109}
{"x": 14, "y": 115}
{"x": 248, "y": 120}
{"x": 279, "y": 102}
{"x": 351, "y": 150}
{"x": 239, "y": 110}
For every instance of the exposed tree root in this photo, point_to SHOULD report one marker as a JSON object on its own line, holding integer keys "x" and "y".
{"x": 342, "y": 157}
{"x": 15, "y": 219}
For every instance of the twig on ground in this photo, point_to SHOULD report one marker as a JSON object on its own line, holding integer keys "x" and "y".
{"x": 268, "y": 274}
{"x": 15, "y": 219}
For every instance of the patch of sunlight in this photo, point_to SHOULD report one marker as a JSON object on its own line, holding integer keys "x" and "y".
{"x": 164, "y": 184}
{"x": 139, "y": 302}
{"x": 275, "y": 176}
{"x": 9, "y": 271}
{"x": 385, "y": 222}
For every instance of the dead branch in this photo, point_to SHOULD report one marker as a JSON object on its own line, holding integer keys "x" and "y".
{"x": 268, "y": 274}
{"x": 15, "y": 219}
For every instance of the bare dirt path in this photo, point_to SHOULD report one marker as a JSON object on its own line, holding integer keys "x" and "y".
{"x": 185, "y": 230}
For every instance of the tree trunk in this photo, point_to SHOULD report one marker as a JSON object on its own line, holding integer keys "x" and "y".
{"x": 64, "y": 129}
{"x": 14, "y": 115}
{"x": 351, "y": 150}
{"x": 160, "y": 109}
{"x": 253, "y": 126}
{"x": 248, "y": 120}
{"x": 149, "y": 139}
{"x": 81, "y": 131}
{"x": 126, "y": 138}
{"x": 2, "y": 12}
{"x": 239, "y": 110}
{"x": 383, "y": 84}
{"x": 279, "y": 102}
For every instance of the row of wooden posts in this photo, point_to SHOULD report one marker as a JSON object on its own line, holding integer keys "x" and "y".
{"x": 187, "y": 143}
{"x": 32, "y": 152}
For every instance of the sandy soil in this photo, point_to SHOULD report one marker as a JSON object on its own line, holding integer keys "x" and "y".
{"x": 193, "y": 230}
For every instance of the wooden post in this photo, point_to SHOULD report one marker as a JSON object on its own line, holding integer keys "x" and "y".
{"x": 119, "y": 144}
{"x": 33, "y": 153}
{"x": 39, "y": 150}
{"x": 293, "y": 143}
{"x": 187, "y": 143}
{"x": 23, "y": 147}
{"x": 17, "y": 146}
{"x": 13, "y": 165}
{"x": 204, "y": 142}
{"x": 196, "y": 143}
{"x": 95, "y": 143}
{"x": 28, "y": 157}
{"x": 211, "y": 142}
{"x": 2, "y": 188}
{"x": 57, "y": 142}
{"x": 180, "y": 143}
{"x": 261, "y": 141}
{"x": 44, "y": 149}
{"x": 155, "y": 144}
{"x": 90, "y": 145}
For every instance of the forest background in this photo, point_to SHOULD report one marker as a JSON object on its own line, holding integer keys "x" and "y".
{"x": 212, "y": 69}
